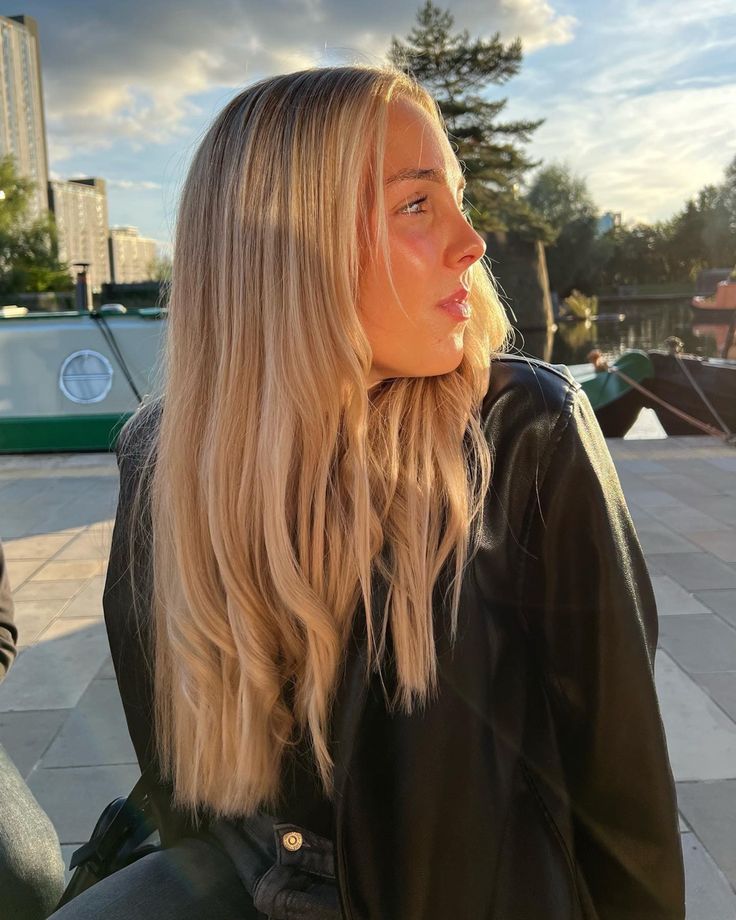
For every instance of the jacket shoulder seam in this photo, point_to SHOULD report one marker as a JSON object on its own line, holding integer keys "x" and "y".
{"x": 545, "y": 672}
{"x": 533, "y": 503}
{"x": 559, "y": 370}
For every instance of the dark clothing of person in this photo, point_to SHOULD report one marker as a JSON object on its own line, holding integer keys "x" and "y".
{"x": 211, "y": 876}
{"x": 8, "y": 629}
{"x": 31, "y": 865}
{"x": 303, "y": 798}
{"x": 537, "y": 785}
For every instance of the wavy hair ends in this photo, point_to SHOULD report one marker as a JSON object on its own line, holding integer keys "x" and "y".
{"x": 278, "y": 486}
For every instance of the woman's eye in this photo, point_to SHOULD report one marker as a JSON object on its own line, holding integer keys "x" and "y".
{"x": 413, "y": 204}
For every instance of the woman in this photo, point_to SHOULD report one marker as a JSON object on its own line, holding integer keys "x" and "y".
{"x": 398, "y": 625}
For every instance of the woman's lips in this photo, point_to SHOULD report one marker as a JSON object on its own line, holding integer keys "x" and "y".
{"x": 457, "y": 304}
{"x": 460, "y": 309}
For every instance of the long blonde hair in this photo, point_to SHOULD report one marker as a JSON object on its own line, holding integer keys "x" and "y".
{"x": 277, "y": 484}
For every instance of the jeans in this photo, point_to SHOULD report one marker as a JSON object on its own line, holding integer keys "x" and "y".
{"x": 31, "y": 866}
{"x": 251, "y": 869}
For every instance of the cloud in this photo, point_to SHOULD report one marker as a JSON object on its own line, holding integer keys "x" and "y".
{"x": 537, "y": 23}
{"x": 644, "y": 155}
{"x": 131, "y": 73}
{"x": 133, "y": 184}
{"x": 639, "y": 105}
{"x": 635, "y": 95}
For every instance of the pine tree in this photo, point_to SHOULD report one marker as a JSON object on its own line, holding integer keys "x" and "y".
{"x": 456, "y": 70}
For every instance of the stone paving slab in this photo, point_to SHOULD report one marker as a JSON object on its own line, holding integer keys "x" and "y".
{"x": 37, "y": 547}
{"x": 722, "y": 602}
{"x": 656, "y": 538}
{"x": 682, "y": 486}
{"x": 697, "y": 571}
{"x": 701, "y": 738}
{"x": 87, "y": 602}
{"x": 63, "y": 589}
{"x": 651, "y": 499}
{"x": 73, "y": 797}
{"x": 33, "y": 617}
{"x": 107, "y": 671}
{"x": 710, "y": 810}
{"x": 673, "y": 600}
{"x": 721, "y": 507}
{"x": 95, "y": 733}
{"x": 54, "y": 673}
{"x": 708, "y": 894}
{"x": 700, "y": 642}
{"x": 685, "y": 519}
{"x": 722, "y": 689}
{"x": 720, "y": 543}
{"x": 27, "y": 735}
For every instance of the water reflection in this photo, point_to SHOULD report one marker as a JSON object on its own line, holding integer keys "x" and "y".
{"x": 645, "y": 326}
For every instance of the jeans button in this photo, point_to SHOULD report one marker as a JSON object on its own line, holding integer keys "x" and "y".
{"x": 292, "y": 840}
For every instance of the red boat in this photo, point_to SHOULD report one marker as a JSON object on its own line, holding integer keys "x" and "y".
{"x": 716, "y": 309}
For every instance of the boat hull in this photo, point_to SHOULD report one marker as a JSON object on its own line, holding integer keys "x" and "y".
{"x": 63, "y": 387}
{"x": 615, "y": 402}
{"x": 719, "y": 308}
{"x": 617, "y": 418}
{"x": 712, "y": 314}
{"x": 715, "y": 376}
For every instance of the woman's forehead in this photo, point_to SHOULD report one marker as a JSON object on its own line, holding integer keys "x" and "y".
{"x": 415, "y": 143}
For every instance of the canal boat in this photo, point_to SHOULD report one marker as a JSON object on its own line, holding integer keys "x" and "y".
{"x": 716, "y": 309}
{"x": 690, "y": 394}
{"x": 69, "y": 380}
{"x": 704, "y": 389}
{"x": 615, "y": 401}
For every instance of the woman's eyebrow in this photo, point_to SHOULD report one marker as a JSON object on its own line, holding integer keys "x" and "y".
{"x": 430, "y": 175}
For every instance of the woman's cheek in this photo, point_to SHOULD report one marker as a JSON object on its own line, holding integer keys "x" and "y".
{"x": 413, "y": 251}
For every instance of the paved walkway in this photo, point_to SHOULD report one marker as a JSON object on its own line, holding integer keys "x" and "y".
{"x": 60, "y": 715}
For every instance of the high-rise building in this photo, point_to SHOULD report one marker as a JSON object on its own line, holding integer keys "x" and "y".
{"x": 608, "y": 221}
{"x": 22, "y": 122}
{"x": 131, "y": 255}
{"x": 80, "y": 209}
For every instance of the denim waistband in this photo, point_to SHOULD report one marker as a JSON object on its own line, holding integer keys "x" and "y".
{"x": 288, "y": 869}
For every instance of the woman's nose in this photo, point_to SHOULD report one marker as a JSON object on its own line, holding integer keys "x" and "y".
{"x": 470, "y": 246}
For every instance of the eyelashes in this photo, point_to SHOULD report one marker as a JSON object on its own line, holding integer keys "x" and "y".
{"x": 412, "y": 204}
{"x": 417, "y": 201}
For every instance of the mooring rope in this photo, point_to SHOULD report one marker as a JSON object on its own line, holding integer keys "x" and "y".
{"x": 726, "y": 435}
{"x": 696, "y": 387}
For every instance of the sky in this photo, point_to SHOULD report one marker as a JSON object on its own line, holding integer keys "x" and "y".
{"x": 638, "y": 96}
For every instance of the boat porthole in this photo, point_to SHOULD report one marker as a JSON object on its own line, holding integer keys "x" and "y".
{"x": 85, "y": 376}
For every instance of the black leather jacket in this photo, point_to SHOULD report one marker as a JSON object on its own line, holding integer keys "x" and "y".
{"x": 537, "y": 786}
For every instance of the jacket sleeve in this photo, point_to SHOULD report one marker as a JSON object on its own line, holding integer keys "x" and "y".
{"x": 130, "y": 635}
{"x": 591, "y": 607}
{"x": 128, "y": 627}
{"x": 8, "y": 629}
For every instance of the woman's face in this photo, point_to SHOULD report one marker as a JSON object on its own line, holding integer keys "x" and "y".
{"x": 431, "y": 247}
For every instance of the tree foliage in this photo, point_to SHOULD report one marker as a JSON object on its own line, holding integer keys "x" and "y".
{"x": 457, "y": 70}
{"x": 701, "y": 235}
{"x": 160, "y": 267}
{"x": 28, "y": 248}
{"x": 574, "y": 256}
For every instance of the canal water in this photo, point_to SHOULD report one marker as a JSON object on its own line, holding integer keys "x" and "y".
{"x": 645, "y": 326}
